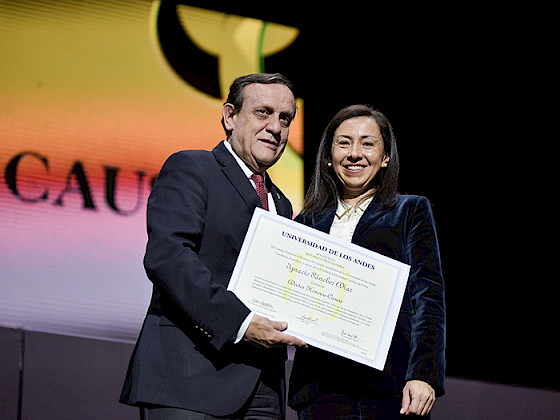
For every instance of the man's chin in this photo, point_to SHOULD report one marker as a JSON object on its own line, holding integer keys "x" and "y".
{"x": 267, "y": 162}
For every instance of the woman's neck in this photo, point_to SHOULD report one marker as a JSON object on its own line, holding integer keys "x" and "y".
{"x": 355, "y": 199}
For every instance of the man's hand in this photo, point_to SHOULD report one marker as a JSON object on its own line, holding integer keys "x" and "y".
{"x": 269, "y": 333}
{"x": 418, "y": 398}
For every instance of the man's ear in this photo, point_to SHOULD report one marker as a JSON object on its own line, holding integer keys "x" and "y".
{"x": 228, "y": 114}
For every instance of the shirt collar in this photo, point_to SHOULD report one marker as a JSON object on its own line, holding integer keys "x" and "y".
{"x": 248, "y": 172}
{"x": 241, "y": 164}
{"x": 344, "y": 208}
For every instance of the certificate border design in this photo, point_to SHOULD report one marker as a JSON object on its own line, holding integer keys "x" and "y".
{"x": 387, "y": 330}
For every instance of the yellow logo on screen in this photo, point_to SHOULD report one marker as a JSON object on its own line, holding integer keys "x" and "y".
{"x": 210, "y": 49}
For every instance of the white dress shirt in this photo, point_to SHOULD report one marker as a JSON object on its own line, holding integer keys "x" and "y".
{"x": 248, "y": 173}
{"x": 271, "y": 208}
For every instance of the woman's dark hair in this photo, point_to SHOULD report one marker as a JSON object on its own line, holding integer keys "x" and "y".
{"x": 325, "y": 188}
{"x": 235, "y": 96}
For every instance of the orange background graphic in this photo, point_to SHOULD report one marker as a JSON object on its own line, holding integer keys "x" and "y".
{"x": 89, "y": 111}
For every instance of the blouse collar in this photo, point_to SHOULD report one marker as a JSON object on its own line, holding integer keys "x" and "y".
{"x": 344, "y": 208}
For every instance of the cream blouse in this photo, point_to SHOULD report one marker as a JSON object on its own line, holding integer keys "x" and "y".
{"x": 346, "y": 219}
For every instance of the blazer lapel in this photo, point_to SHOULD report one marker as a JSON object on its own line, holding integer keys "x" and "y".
{"x": 371, "y": 214}
{"x": 236, "y": 176}
{"x": 323, "y": 221}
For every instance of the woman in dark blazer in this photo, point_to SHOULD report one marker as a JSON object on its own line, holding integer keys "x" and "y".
{"x": 353, "y": 195}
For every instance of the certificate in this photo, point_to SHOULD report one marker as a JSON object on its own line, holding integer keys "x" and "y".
{"x": 333, "y": 294}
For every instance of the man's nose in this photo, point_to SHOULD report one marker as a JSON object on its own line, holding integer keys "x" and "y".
{"x": 274, "y": 125}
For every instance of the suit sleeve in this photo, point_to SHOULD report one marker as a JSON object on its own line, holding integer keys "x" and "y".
{"x": 176, "y": 220}
{"x": 427, "y": 347}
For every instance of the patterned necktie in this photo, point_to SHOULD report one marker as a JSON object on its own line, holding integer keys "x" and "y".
{"x": 258, "y": 179}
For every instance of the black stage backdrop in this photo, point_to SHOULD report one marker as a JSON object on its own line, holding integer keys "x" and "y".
{"x": 454, "y": 81}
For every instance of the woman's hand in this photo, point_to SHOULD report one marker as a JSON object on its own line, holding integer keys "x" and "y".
{"x": 418, "y": 398}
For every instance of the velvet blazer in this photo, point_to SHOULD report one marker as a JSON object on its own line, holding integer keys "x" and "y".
{"x": 405, "y": 232}
{"x": 185, "y": 357}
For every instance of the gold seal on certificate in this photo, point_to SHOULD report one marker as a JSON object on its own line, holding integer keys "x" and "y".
{"x": 334, "y": 295}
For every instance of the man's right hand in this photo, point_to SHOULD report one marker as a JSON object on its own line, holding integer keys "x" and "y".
{"x": 267, "y": 333}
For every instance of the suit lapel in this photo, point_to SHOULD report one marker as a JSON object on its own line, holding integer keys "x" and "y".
{"x": 236, "y": 176}
{"x": 240, "y": 182}
{"x": 283, "y": 206}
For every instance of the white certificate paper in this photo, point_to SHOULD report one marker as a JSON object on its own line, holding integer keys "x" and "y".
{"x": 334, "y": 295}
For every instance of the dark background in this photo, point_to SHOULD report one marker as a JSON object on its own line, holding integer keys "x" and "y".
{"x": 467, "y": 91}
{"x": 458, "y": 86}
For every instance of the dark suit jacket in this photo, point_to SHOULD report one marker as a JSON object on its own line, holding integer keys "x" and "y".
{"x": 198, "y": 214}
{"x": 406, "y": 233}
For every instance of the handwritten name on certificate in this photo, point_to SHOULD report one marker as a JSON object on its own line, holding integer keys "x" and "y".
{"x": 334, "y": 295}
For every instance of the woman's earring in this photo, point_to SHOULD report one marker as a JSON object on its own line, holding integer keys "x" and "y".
{"x": 329, "y": 164}
{"x": 384, "y": 165}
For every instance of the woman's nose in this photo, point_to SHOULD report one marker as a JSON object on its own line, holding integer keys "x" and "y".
{"x": 355, "y": 151}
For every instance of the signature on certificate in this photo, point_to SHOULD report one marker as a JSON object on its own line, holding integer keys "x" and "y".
{"x": 306, "y": 319}
{"x": 349, "y": 335}
{"x": 263, "y": 304}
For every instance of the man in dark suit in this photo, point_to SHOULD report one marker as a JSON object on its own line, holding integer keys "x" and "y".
{"x": 201, "y": 353}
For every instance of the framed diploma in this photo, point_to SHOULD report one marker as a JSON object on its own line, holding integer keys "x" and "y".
{"x": 334, "y": 295}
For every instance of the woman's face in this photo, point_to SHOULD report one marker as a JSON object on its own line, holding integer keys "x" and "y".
{"x": 357, "y": 155}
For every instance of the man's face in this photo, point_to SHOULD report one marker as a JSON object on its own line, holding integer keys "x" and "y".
{"x": 259, "y": 131}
